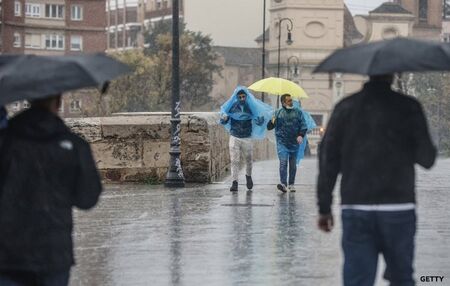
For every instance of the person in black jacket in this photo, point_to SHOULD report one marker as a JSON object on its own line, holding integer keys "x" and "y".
{"x": 45, "y": 170}
{"x": 373, "y": 139}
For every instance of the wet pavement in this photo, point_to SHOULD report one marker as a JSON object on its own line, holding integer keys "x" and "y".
{"x": 204, "y": 235}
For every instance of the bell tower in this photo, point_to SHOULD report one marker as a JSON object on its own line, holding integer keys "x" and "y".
{"x": 428, "y": 17}
{"x": 317, "y": 30}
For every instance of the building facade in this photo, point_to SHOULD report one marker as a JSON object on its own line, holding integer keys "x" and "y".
{"x": 127, "y": 21}
{"x": 428, "y": 15}
{"x": 53, "y": 27}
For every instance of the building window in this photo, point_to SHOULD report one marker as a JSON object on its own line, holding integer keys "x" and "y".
{"x": 33, "y": 41}
{"x": 165, "y": 4}
{"x": 75, "y": 106}
{"x": 54, "y": 11}
{"x": 77, "y": 13}
{"x": 76, "y": 43}
{"x": 446, "y": 38}
{"x": 17, "y": 41}
{"x": 158, "y": 4}
{"x": 318, "y": 118}
{"x": 33, "y": 10}
{"x": 17, "y": 10}
{"x": 54, "y": 42}
{"x": 423, "y": 10}
{"x": 446, "y": 9}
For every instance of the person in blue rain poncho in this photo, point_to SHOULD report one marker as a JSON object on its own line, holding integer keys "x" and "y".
{"x": 245, "y": 118}
{"x": 290, "y": 130}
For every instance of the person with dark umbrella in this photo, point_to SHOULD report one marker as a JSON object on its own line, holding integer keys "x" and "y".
{"x": 45, "y": 169}
{"x": 373, "y": 139}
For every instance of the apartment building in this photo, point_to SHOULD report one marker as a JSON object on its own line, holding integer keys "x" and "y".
{"x": 127, "y": 19}
{"x": 53, "y": 27}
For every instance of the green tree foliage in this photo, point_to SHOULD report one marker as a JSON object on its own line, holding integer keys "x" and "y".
{"x": 149, "y": 87}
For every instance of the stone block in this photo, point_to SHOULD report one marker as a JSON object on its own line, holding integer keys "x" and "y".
{"x": 156, "y": 154}
{"x": 118, "y": 154}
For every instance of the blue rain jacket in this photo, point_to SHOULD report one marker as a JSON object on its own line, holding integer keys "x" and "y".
{"x": 248, "y": 120}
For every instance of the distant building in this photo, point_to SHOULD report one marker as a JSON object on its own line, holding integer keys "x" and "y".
{"x": 53, "y": 27}
{"x": 387, "y": 21}
{"x": 428, "y": 15}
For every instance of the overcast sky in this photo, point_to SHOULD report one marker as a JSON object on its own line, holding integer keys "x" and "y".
{"x": 363, "y": 6}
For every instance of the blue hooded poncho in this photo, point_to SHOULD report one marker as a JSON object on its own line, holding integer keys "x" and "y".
{"x": 255, "y": 110}
{"x": 310, "y": 123}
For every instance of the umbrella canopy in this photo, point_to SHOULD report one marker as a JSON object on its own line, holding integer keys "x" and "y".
{"x": 279, "y": 86}
{"x": 33, "y": 77}
{"x": 389, "y": 57}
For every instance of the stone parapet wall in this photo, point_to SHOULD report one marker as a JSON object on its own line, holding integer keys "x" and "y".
{"x": 134, "y": 147}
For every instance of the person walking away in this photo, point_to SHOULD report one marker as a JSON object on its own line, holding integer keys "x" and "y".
{"x": 374, "y": 138}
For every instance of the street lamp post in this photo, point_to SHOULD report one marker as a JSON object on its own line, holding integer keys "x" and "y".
{"x": 288, "y": 41}
{"x": 264, "y": 46}
{"x": 175, "y": 176}
{"x": 296, "y": 65}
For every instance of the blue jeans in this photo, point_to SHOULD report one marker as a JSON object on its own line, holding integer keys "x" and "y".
{"x": 26, "y": 278}
{"x": 368, "y": 233}
{"x": 287, "y": 157}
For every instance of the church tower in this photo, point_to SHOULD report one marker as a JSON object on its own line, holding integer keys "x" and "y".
{"x": 317, "y": 30}
{"x": 428, "y": 17}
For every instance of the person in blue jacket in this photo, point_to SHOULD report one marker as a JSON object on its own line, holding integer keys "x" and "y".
{"x": 244, "y": 117}
{"x": 290, "y": 130}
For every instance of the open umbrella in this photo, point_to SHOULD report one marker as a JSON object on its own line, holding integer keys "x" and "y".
{"x": 33, "y": 77}
{"x": 279, "y": 86}
{"x": 389, "y": 57}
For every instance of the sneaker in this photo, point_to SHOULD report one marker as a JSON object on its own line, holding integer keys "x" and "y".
{"x": 282, "y": 188}
{"x": 249, "y": 182}
{"x": 234, "y": 187}
{"x": 291, "y": 188}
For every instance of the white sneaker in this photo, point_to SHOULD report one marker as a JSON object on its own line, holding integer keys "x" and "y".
{"x": 291, "y": 188}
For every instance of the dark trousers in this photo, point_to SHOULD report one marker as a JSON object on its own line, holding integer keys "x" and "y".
{"x": 366, "y": 234}
{"x": 26, "y": 278}
{"x": 288, "y": 158}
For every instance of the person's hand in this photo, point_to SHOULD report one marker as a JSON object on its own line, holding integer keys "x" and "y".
{"x": 325, "y": 222}
{"x": 299, "y": 139}
{"x": 273, "y": 120}
{"x": 224, "y": 117}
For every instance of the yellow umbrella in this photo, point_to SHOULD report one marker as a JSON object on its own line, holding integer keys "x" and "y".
{"x": 279, "y": 86}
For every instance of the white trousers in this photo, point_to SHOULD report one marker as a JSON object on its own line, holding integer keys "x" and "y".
{"x": 238, "y": 147}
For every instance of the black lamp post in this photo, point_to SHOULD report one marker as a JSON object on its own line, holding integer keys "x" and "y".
{"x": 296, "y": 65}
{"x": 288, "y": 41}
{"x": 175, "y": 176}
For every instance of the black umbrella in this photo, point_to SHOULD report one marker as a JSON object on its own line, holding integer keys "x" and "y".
{"x": 389, "y": 57}
{"x": 33, "y": 77}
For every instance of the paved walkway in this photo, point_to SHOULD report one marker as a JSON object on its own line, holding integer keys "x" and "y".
{"x": 204, "y": 235}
